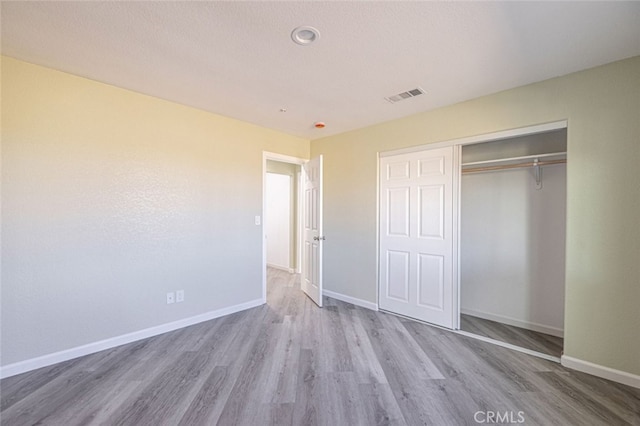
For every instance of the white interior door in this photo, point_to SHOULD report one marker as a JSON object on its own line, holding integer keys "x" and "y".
{"x": 417, "y": 235}
{"x": 312, "y": 251}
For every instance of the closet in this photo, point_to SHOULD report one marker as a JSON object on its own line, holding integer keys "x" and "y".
{"x": 472, "y": 235}
{"x": 512, "y": 240}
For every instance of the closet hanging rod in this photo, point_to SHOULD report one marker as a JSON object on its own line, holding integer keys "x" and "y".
{"x": 512, "y": 166}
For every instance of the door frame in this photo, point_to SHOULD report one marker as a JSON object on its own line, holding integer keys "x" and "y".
{"x": 458, "y": 144}
{"x": 273, "y": 156}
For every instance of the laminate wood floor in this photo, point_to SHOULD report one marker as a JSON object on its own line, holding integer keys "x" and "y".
{"x": 529, "y": 339}
{"x": 291, "y": 363}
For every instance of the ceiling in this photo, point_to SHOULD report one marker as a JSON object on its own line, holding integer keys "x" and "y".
{"x": 237, "y": 58}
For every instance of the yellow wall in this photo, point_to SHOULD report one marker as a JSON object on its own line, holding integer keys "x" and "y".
{"x": 111, "y": 199}
{"x": 602, "y": 106}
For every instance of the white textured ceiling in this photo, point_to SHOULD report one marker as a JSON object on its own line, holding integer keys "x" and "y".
{"x": 237, "y": 59}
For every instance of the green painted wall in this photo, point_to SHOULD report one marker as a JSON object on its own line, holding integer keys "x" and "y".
{"x": 602, "y": 106}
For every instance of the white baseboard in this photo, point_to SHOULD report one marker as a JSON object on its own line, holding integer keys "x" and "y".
{"x": 90, "y": 348}
{"x": 541, "y": 328}
{"x": 349, "y": 299}
{"x": 618, "y": 376}
{"x": 282, "y": 268}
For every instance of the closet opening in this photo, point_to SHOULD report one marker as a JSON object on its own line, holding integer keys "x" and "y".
{"x": 471, "y": 236}
{"x": 512, "y": 240}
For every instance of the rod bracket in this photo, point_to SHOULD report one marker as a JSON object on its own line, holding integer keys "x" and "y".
{"x": 537, "y": 172}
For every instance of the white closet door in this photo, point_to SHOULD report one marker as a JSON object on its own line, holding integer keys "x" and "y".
{"x": 417, "y": 236}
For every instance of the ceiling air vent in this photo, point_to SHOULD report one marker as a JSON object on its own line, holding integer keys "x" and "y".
{"x": 405, "y": 95}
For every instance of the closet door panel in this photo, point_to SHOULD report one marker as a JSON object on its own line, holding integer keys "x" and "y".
{"x": 429, "y": 167}
{"x": 431, "y": 281}
{"x": 416, "y": 235}
{"x": 398, "y": 212}
{"x": 397, "y": 278}
{"x": 432, "y": 211}
{"x": 398, "y": 170}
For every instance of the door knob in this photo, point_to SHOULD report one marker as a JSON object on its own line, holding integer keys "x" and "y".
{"x": 318, "y": 238}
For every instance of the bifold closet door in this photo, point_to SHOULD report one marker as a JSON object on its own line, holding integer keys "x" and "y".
{"x": 417, "y": 235}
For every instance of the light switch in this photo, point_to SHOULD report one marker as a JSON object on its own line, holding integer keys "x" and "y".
{"x": 257, "y": 220}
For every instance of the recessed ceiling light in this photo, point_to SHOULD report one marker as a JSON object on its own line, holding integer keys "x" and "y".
{"x": 305, "y": 35}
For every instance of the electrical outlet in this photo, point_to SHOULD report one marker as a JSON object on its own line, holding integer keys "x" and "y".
{"x": 170, "y": 298}
{"x": 258, "y": 220}
{"x": 179, "y": 296}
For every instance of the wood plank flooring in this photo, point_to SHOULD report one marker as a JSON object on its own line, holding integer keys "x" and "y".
{"x": 540, "y": 342}
{"x": 291, "y": 363}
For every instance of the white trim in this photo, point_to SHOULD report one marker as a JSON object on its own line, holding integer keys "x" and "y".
{"x": 455, "y": 228}
{"x": 282, "y": 268}
{"x": 378, "y": 286}
{"x": 504, "y": 134}
{"x": 540, "y": 328}
{"x": 349, "y": 299}
{"x": 608, "y": 373}
{"x": 90, "y": 348}
{"x": 299, "y": 222}
{"x": 457, "y": 253}
{"x": 283, "y": 158}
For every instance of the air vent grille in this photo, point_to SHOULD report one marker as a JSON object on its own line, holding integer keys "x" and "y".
{"x": 405, "y": 95}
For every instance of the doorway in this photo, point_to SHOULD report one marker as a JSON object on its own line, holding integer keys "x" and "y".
{"x": 506, "y": 220}
{"x": 282, "y": 210}
{"x": 280, "y": 215}
{"x": 309, "y": 237}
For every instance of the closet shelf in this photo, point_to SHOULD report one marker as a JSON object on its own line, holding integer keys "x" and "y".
{"x": 525, "y": 160}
